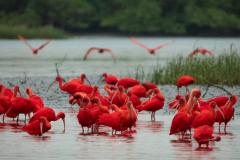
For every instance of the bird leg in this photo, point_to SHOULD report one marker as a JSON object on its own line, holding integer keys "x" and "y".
{"x": 17, "y": 119}
{"x": 25, "y": 119}
{"x": 225, "y": 128}
{"x": 219, "y": 129}
{"x": 82, "y": 130}
{"x": 3, "y": 117}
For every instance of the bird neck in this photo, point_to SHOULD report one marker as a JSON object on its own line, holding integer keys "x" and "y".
{"x": 59, "y": 115}
{"x": 190, "y": 103}
{"x": 60, "y": 84}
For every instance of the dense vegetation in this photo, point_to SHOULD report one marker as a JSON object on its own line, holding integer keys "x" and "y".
{"x": 223, "y": 69}
{"x": 166, "y": 17}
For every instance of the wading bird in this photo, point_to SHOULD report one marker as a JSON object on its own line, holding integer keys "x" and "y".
{"x": 50, "y": 114}
{"x": 203, "y": 135}
{"x": 201, "y": 51}
{"x": 184, "y": 80}
{"x": 38, "y": 127}
{"x": 34, "y": 50}
{"x": 99, "y": 50}
{"x": 152, "y": 51}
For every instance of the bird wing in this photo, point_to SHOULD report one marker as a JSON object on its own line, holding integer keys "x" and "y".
{"x": 112, "y": 54}
{"x": 24, "y": 41}
{"x": 43, "y": 45}
{"x": 88, "y": 52}
{"x": 193, "y": 53}
{"x": 135, "y": 41}
{"x": 210, "y": 53}
{"x": 163, "y": 45}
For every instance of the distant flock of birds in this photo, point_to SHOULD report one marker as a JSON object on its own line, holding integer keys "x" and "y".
{"x": 151, "y": 51}
{"x": 118, "y": 108}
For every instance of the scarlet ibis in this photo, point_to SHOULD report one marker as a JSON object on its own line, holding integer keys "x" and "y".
{"x": 201, "y": 51}
{"x": 38, "y": 127}
{"x": 19, "y": 105}
{"x": 118, "y": 97}
{"x": 80, "y": 80}
{"x": 204, "y": 134}
{"x": 36, "y": 100}
{"x": 84, "y": 115}
{"x": 139, "y": 90}
{"x": 154, "y": 104}
{"x": 50, "y": 114}
{"x": 149, "y": 85}
{"x": 34, "y": 50}
{"x": 99, "y": 50}
{"x": 228, "y": 111}
{"x": 5, "y": 101}
{"x": 152, "y": 51}
{"x": 182, "y": 119}
{"x": 127, "y": 82}
{"x": 206, "y": 117}
{"x": 184, "y": 80}
{"x": 110, "y": 79}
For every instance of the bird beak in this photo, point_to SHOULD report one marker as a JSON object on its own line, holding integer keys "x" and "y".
{"x": 100, "y": 80}
{"x": 41, "y": 128}
{"x": 220, "y": 112}
{"x": 64, "y": 125}
{"x": 51, "y": 85}
{"x": 88, "y": 81}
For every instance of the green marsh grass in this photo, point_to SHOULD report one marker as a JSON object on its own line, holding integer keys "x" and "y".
{"x": 223, "y": 69}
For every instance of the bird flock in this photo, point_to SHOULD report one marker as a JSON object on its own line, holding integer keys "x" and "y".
{"x": 118, "y": 107}
{"x": 150, "y": 50}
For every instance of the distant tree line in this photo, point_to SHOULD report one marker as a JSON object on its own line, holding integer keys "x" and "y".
{"x": 169, "y": 17}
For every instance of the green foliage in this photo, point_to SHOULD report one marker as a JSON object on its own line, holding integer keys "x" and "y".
{"x": 175, "y": 17}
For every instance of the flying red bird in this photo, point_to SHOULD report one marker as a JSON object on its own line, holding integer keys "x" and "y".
{"x": 152, "y": 51}
{"x": 34, "y": 50}
{"x": 100, "y": 51}
{"x": 201, "y": 51}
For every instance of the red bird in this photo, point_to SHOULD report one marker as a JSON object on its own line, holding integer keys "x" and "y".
{"x": 34, "y": 50}
{"x": 228, "y": 111}
{"x": 182, "y": 120}
{"x": 184, "y": 80}
{"x": 110, "y": 79}
{"x": 20, "y": 105}
{"x": 206, "y": 117}
{"x": 50, "y": 114}
{"x": 139, "y": 90}
{"x": 5, "y": 101}
{"x": 154, "y": 104}
{"x": 99, "y": 50}
{"x": 152, "y": 51}
{"x": 38, "y": 127}
{"x": 201, "y": 51}
{"x": 149, "y": 85}
{"x": 84, "y": 115}
{"x": 203, "y": 135}
{"x": 36, "y": 100}
{"x": 127, "y": 82}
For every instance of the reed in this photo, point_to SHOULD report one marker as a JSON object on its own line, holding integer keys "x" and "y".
{"x": 223, "y": 69}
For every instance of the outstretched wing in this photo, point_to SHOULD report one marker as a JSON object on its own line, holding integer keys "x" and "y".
{"x": 210, "y": 53}
{"x": 112, "y": 54}
{"x": 135, "y": 41}
{"x": 24, "y": 41}
{"x": 88, "y": 52}
{"x": 43, "y": 45}
{"x": 163, "y": 45}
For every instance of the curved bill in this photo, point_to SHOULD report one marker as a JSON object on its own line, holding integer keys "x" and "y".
{"x": 88, "y": 81}
{"x": 41, "y": 128}
{"x": 220, "y": 112}
{"x": 100, "y": 79}
{"x": 50, "y": 86}
{"x": 64, "y": 125}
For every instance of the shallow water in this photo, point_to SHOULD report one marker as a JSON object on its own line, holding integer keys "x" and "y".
{"x": 150, "y": 142}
